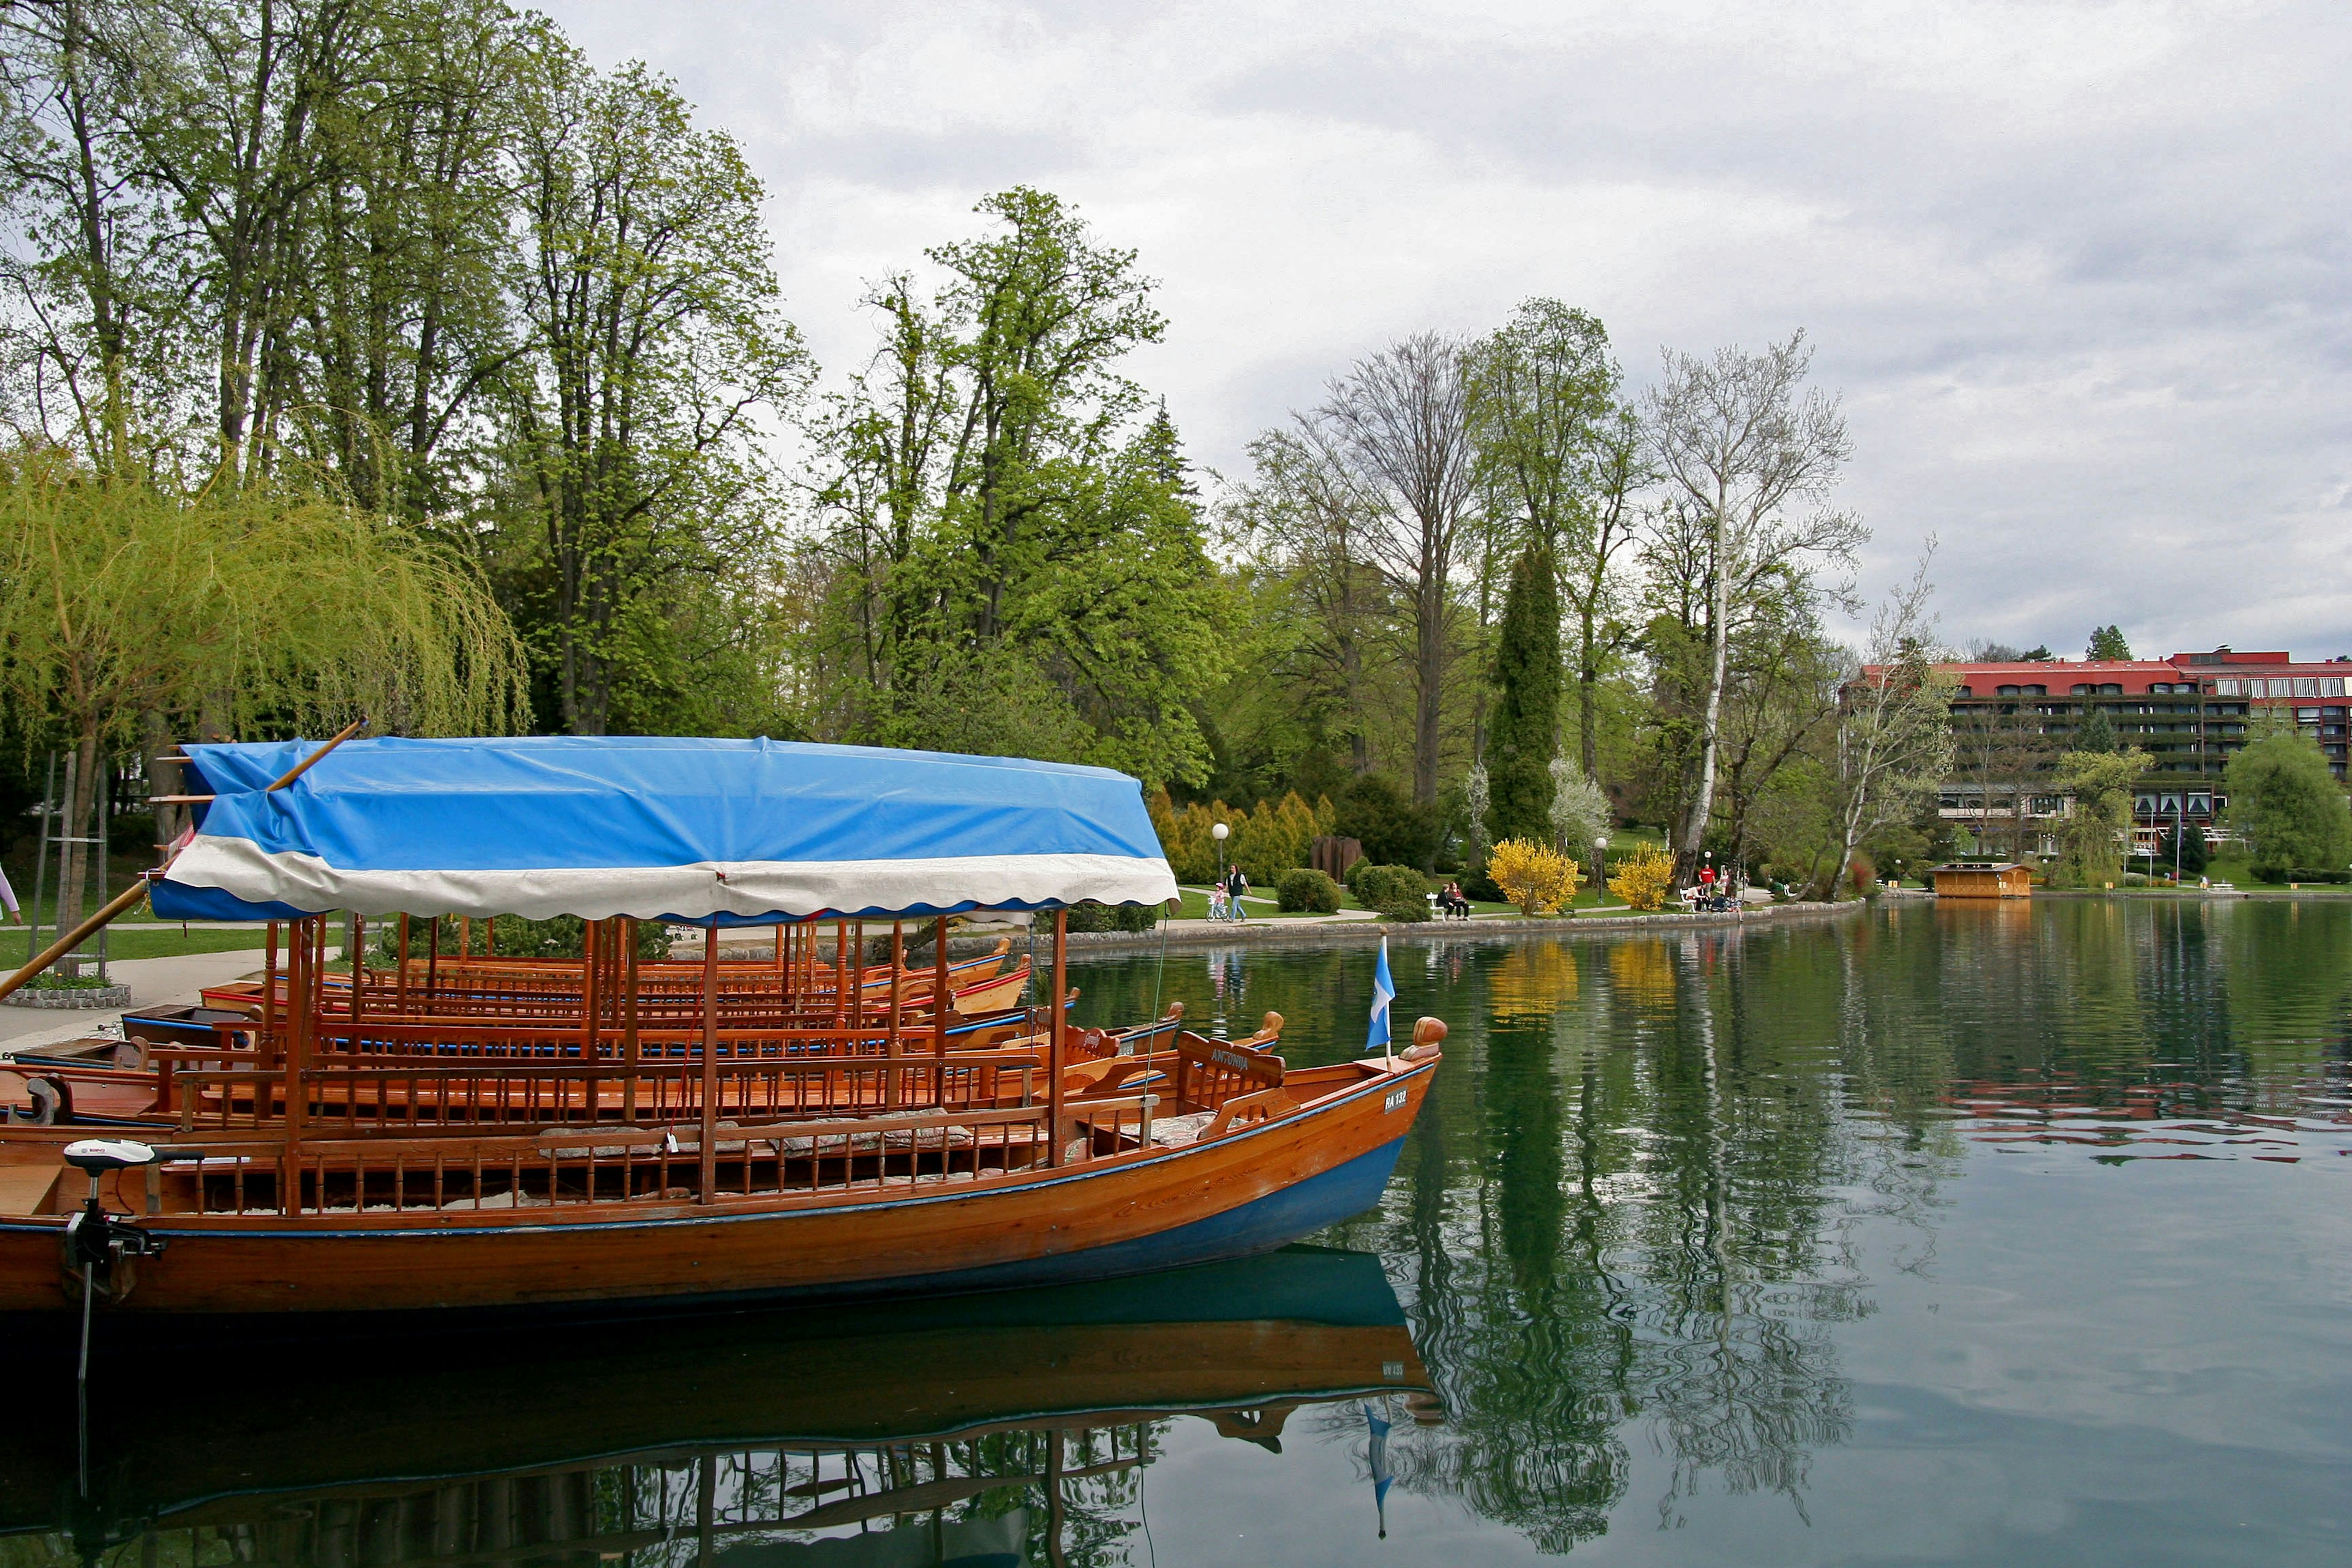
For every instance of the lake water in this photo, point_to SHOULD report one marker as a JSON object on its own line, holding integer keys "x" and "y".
{"x": 2005, "y": 1235}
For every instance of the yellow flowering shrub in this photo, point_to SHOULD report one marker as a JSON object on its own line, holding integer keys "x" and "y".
{"x": 1536, "y": 876}
{"x": 1645, "y": 878}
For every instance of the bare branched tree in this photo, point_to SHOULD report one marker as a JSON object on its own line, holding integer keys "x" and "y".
{"x": 1895, "y": 734}
{"x": 1401, "y": 422}
{"x": 1754, "y": 456}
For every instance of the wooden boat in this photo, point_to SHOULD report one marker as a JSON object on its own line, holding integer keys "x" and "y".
{"x": 442, "y": 1423}
{"x": 853, "y": 1158}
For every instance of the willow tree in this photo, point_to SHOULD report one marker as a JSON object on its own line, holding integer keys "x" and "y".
{"x": 127, "y": 611}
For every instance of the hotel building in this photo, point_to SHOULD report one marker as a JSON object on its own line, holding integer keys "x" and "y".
{"x": 2190, "y": 712}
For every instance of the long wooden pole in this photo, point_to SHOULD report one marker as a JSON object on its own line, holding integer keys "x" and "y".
{"x": 709, "y": 1065}
{"x": 75, "y": 937}
{"x": 312, "y": 760}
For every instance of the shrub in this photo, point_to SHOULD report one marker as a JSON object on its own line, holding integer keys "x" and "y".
{"x": 1378, "y": 887}
{"x": 2299, "y": 874}
{"x": 1306, "y": 890}
{"x": 1643, "y": 878}
{"x": 1406, "y": 911}
{"x": 1114, "y": 917}
{"x": 1536, "y": 876}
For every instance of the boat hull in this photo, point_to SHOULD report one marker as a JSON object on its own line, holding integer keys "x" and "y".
{"x": 1247, "y": 1192}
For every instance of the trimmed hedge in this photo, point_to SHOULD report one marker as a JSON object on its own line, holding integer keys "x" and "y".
{"x": 1306, "y": 890}
{"x": 2299, "y": 874}
{"x": 1104, "y": 916}
{"x": 1409, "y": 911}
{"x": 1378, "y": 887}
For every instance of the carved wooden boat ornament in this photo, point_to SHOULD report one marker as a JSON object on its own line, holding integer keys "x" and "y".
{"x": 449, "y": 1131}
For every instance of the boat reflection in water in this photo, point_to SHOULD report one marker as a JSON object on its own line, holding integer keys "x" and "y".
{"x": 999, "y": 1429}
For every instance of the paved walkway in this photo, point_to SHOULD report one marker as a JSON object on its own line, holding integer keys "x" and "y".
{"x": 153, "y": 981}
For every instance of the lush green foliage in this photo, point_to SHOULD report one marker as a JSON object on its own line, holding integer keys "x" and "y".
{"x": 2092, "y": 842}
{"x": 2288, "y": 808}
{"x": 1526, "y": 723}
{"x": 1265, "y": 842}
{"x": 1305, "y": 890}
{"x": 2108, "y": 642}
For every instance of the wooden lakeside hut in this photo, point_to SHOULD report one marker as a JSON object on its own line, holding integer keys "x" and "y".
{"x": 364, "y": 1161}
{"x": 1983, "y": 879}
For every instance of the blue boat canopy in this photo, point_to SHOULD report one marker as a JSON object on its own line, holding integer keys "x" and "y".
{"x": 700, "y": 831}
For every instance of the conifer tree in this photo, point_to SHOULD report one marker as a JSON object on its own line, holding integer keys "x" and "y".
{"x": 1525, "y": 730}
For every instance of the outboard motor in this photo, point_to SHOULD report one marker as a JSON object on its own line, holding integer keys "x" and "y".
{"x": 97, "y": 1240}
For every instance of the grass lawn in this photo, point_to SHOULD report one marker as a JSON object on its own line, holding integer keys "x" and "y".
{"x": 149, "y": 941}
{"x": 1196, "y": 907}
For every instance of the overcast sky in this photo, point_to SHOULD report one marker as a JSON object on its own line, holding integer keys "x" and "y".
{"x": 2080, "y": 272}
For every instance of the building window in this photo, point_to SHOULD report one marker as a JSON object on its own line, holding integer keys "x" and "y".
{"x": 2228, "y": 688}
{"x": 2004, "y": 691}
{"x": 2111, "y": 688}
{"x": 2080, "y": 688}
{"x": 2332, "y": 686}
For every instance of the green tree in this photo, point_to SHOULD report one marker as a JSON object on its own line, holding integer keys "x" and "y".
{"x": 1750, "y": 458}
{"x": 1003, "y": 514}
{"x": 639, "y": 479}
{"x": 123, "y": 607}
{"x": 2096, "y": 733}
{"x": 2092, "y": 841}
{"x": 2108, "y": 643}
{"x": 1559, "y": 459}
{"x": 1527, "y": 706}
{"x": 2289, "y": 810}
{"x": 2185, "y": 848}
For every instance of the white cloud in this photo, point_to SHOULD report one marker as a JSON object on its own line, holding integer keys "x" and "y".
{"x": 2079, "y": 271}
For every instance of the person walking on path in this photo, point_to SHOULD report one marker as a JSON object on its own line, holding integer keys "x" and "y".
{"x": 1237, "y": 885}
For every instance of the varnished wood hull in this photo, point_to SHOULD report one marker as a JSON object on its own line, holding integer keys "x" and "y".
{"x": 1246, "y": 1192}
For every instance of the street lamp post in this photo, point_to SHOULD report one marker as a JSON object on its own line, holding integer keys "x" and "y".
{"x": 1599, "y": 869}
{"x": 1218, "y": 833}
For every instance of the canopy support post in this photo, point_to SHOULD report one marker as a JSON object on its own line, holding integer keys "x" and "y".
{"x": 1055, "y": 1055}
{"x": 890, "y": 1040}
{"x": 401, "y": 993}
{"x": 710, "y": 1191}
{"x": 265, "y": 1043}
{"x": 940, "y": 1008}
{"x": 302, "y": 965}
{"x": 629, "y": 1052}
{"x": 590, "y": 1004}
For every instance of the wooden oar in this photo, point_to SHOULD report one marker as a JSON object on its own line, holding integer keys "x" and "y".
{"x": 75, "y": 937}
{"x": 131, "y": 896}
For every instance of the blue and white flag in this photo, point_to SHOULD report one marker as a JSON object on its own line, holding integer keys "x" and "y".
{"x": 1383, "y": 993}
